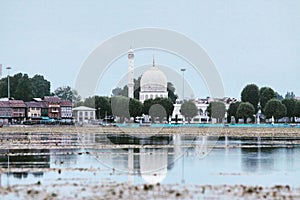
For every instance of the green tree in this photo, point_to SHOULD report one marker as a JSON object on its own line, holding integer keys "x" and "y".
{"x": 189, "y": 110}
{"x": 279, "y": 96}
{"x": 297, "y": 109}
{"x": 40, "y": 86}
{"x": 265, "y": 94}
{"x": 290, "y": 108}
{"x": 158, "y": 107}
{"x": 232, "y": 112}
{"x": 245, "y": 110}
{"x": 135, "y": 107}
{"x": 24, "y": 89}
{"x": 275, "y": 108}
{"x": 290, "y": 95}
{"x": 251, "y": 94}
{"x": 216, "y": 109}
{"x": 102, "y": 105}
{"x": 120, "y": 107}
{"x": 67, "y": 93}
{"x": 171, "y": 92}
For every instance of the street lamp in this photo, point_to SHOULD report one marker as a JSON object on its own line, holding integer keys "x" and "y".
{"x": 99, "y": 113}
{"x": 8, "y": 84}
{"x": 183, "y": 70}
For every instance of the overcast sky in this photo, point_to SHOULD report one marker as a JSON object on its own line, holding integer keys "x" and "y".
{"x": 248, "y": 41}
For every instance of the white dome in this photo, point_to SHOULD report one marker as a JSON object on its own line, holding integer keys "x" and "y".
{"x": 153, "y": 80}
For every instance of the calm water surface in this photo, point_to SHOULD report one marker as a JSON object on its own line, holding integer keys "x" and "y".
{"x": 167, "y": 159}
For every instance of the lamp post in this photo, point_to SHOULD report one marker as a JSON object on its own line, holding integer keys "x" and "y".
{"x": 99, "y": 113}
{"x": 183, "y": 70}
{"x": 8, "y": 84}
{"x": 182, "y": 178}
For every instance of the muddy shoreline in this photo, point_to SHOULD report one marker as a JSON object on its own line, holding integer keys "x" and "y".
{"x": 208, "y": 131}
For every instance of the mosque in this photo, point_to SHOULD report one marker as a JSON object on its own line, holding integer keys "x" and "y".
{"x": 153, "y": 83}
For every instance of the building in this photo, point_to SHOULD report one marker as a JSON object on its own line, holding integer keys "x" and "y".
{"x": 66, "y": 109}
{"x": 19, "y": 108}
{"x": 6, "y": 112}
{"x": 83, "y": 114}
{"x": 202, "y": 104}
{"x": 33, "y": 110}
{"x": 53, "y": 105}
{"x": 153, "y": 84}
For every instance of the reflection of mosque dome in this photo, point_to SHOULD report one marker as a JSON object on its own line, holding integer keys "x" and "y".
{"x": 153, "y": 80}
{"x": 153, "y": 165}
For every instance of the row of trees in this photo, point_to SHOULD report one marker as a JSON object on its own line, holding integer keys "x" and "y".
{"x": 24, "y": 88}
{"x": 124, "y": 107}
{"x": 265, "y": 100}
{"x": 254, "y": 99}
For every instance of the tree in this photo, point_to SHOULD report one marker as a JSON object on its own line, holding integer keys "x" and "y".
{"x": 290, "y": 95}
{"x": 216, "y": 109}
{"x": 23, "y": 90}
{"x": 120, "y": 92}
{"x": 158, "y": 107}
{"x": 189, "y": 110}
{"x": 275, "y": 108}
{"x": 265, "y": 94}
{"x": 171, "y": 92}
{"x": 67, "y": 93}
{"x": 297, "y": 109}
{"x": 290, "y": 108}
{"x": 135, "y": 107}
{"x": 102, "y": 105}
{"x": 232, "y": 112}
{"x": 279, "y": 96}
{"x": 120, "y": 107}
{"x": 251, "y": 94}
{"x": 245, "y": 110}
{"x": 40, "y": 86}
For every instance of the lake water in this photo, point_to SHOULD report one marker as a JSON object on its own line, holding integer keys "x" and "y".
{"x": 164, "y": 159}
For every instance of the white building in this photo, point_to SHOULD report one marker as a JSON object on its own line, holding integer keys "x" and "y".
{"x": 153, "y": 84}
{"x": 83, "y": 114}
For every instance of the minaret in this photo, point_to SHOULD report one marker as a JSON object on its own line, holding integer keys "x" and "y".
{"x": 130, "y": 73}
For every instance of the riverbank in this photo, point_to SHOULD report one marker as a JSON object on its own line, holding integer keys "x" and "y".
{"x": 208, "y": 131}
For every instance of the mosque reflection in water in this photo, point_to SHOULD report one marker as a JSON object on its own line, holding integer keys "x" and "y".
{"x": 152, "y": 157}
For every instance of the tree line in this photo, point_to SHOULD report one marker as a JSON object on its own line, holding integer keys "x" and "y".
{"x": 125, "y": 107}
{"x": 265, "y": 100}
{"x": 22, "y": 87}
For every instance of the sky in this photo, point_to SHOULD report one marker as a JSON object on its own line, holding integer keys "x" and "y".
{"x": 248, "y": 41}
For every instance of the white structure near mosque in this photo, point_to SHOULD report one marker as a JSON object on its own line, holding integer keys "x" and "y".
{"x": 83, "y": 114}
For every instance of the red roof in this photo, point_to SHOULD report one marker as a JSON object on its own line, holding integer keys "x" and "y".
{"x": 4, "y": 104}
{"x": 52, "y": 99}
{"x": 17, "y": 104}
{"x": 66, "y": 103}
{"x": 34, "y": 104}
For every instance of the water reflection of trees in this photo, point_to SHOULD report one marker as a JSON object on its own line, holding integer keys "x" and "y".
{"x": 257, "y": 159}
{"x": 25, "y": 158}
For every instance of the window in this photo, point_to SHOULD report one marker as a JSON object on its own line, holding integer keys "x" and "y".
{"x": 92, "y": 114}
